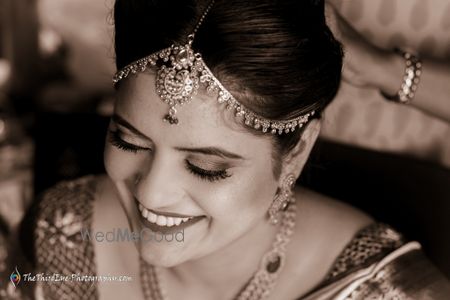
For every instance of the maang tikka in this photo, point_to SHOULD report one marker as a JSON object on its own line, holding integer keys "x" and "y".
{"x": 181, "y": 71}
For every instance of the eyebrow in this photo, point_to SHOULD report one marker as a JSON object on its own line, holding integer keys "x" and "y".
{"x": 211, "y": 151}
{"x": 119, "y": 120}
{"x": 203, "y": 150}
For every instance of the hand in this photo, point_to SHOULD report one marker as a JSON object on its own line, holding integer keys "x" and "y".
{"x": 366, "y": 65}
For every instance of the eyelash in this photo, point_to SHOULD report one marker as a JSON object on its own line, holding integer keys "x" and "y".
{"x": 209, "y": 175}
{"x": 118, "y": 142}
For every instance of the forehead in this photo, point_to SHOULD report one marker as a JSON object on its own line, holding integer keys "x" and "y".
{"x": 202, "y": 121}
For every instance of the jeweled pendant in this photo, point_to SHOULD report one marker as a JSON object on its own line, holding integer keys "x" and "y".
{"x": 177, "y": 81}
{"x": 274, "y": 265}
{"x": 171, "y": 116}
{"x": 182, "y": 56}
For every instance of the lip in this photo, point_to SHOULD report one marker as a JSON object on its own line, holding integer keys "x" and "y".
{"x": 167, "y": 214}
{"x": 168, "y": 230}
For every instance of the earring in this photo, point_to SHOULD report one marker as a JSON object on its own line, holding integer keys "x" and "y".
{"x": 282, "y": 199}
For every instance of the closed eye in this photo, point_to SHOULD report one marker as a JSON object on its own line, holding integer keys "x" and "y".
{"x": 210, "y": 175}
{"x": 117, "y": 141}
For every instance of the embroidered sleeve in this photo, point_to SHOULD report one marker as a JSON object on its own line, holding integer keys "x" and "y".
{"x": 368, "y": 246}
{"x": 62, "y": 254}
{"x": 378, "y": 264}
{"x": 409, "y": 277}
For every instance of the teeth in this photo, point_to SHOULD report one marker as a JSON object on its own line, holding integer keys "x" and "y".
{"x": 152, "y": 217}
{"x": 161, "y": 220}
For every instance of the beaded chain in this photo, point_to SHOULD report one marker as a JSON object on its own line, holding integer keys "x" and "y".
{"x": 261, "y": 283}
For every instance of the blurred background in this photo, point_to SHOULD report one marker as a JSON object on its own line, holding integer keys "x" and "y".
{"x": 56, "y": 64}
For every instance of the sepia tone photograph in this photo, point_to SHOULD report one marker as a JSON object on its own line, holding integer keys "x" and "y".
{"x": 224, "y": 149}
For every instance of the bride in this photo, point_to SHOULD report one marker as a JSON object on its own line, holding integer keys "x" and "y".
{"x": 218, "y": 106}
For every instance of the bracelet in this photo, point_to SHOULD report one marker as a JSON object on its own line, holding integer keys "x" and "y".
{"x": 411, "y": 79}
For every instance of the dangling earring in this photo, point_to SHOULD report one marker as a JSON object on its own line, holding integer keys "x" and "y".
{"x": 282, "y": 199}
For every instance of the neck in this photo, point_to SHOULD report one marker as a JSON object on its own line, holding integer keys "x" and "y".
{"x": 223, "y": 273}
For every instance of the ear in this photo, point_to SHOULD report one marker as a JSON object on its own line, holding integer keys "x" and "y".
{"x": 294, "y": 161}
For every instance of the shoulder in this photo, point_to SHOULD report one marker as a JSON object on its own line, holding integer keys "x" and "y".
{"x": 370, "y": 259}
{"x": 327, "y": 222}
{"x": 402, "y": 273}
{"x": 330, "y": 208}
{"x": 62, "y": 214}
{"x": 67, "y": 195}
{"x": 323, "y": 228}
{"x": 63, "y": 210}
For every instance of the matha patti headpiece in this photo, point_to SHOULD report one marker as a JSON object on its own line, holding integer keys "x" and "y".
{"x": 181, "y": 71}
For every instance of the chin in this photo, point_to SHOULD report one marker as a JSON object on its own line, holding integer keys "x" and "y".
{"x": 163, "y": 254}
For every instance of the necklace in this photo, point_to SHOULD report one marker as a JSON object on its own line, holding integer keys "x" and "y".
{"x": 260, "y": 284}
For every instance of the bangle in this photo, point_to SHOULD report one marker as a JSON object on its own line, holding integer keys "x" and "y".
{"x": 413, "y": 70}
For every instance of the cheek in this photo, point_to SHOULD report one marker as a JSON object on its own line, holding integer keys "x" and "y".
{"x": 258, "y": 193}
{"x": 244, "y": 199}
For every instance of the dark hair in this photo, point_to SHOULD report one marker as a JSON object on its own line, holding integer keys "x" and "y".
{"x": 277, "y": 57}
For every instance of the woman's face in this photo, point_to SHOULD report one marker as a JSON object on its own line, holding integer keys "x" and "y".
{"x": 205, "y": 168}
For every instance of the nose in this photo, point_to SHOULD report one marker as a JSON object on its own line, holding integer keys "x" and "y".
{"x": 157, "y": 186}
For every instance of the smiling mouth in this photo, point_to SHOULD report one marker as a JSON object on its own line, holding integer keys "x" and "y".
{"x": 165, "y": 222}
